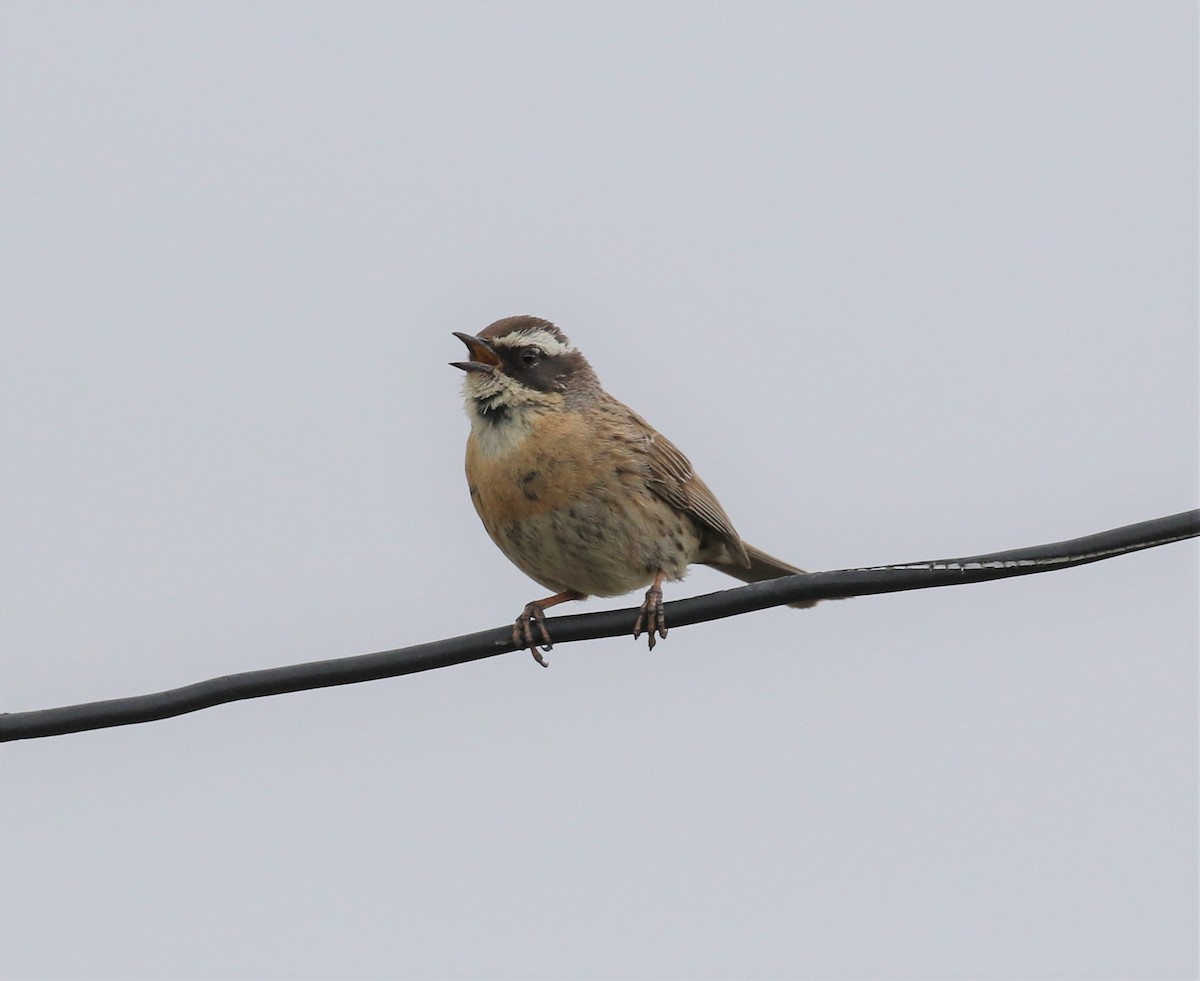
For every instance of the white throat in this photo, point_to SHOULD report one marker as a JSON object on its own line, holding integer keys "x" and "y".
{"x": 503, "y": 434}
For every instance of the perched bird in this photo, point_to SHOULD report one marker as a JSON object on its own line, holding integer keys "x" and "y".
{"x": 579, "y": 491}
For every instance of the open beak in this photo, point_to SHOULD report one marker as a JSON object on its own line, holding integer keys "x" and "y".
{"x": 483, "y": 355}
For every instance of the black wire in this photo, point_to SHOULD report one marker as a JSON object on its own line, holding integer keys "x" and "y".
{"x": 471, "y": 647}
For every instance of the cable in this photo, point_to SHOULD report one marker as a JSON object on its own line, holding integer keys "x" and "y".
{"x": 488, "y": 643}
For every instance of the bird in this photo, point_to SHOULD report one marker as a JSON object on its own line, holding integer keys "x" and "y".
{"x": 578, "y": 490}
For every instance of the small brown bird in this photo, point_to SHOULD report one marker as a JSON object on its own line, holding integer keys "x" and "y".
{"x": 579, "y": 491}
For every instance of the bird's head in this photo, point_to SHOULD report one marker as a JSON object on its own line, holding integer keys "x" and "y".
{"x": 523, "y": 363}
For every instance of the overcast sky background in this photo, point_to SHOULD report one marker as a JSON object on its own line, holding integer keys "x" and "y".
{"x": 906, "y": 280}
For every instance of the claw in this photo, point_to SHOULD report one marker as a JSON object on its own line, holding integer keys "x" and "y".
{"x": 652, "y": 617}
{"x": 523, "y": 631}
{"x": 535, "y": 614}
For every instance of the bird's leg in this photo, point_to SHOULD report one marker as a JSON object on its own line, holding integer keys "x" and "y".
{"x": 652, "y": 617}
{"x": 535, "y": 613}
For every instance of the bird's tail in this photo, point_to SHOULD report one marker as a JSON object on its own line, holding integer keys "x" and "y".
{"x": 762, "y": 566}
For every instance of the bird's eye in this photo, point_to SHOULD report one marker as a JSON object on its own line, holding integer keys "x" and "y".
{"x": 530, "y": 356}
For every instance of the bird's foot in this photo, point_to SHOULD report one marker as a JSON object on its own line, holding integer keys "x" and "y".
{"x": 532, "y": 618}
{"x": 652, "y": 617}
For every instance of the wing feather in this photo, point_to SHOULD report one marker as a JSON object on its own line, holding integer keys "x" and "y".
{"x": 671, "y": 477}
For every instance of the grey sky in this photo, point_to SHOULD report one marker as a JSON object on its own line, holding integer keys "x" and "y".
{"x": 905, "y": 280}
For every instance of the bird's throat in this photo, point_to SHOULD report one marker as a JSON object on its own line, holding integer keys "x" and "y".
{"x": 499, "y": 428}
{"x": 492, "y": 410}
